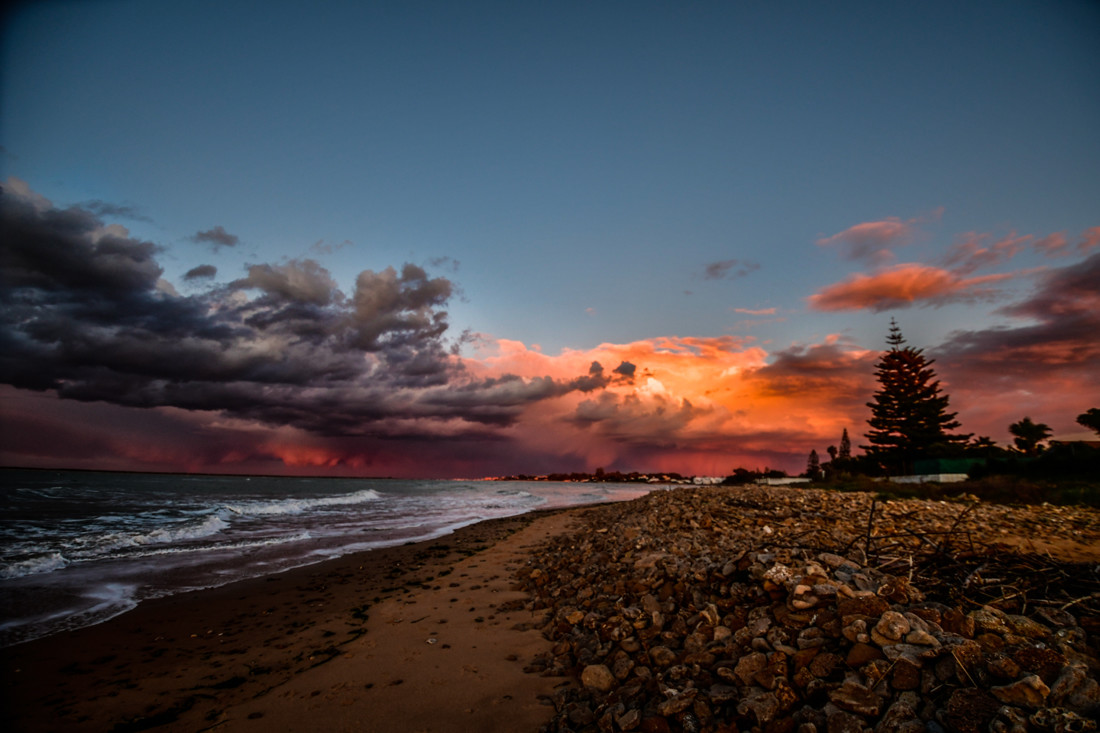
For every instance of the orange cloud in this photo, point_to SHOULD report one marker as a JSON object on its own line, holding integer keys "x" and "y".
{"x": 702, "y": 405}
{"x": 902, "y": 286}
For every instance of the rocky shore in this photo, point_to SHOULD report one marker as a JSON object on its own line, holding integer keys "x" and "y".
{"x": 771, "y": 609}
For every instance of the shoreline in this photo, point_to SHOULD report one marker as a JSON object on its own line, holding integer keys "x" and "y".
{"x": 592, "y": 616}
{"x": 180, "y": 662}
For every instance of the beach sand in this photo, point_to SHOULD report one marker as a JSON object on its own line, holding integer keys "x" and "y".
{"x": 407, "y": 638}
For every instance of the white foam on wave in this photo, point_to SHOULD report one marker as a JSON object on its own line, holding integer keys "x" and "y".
{"x": 297, "y": 506}
{"x": 45, "y": 563}
{"x": 97, "y": 545}
{"x": 209, "y": 525}
{"x": 240, "y": 545}
{"x": 102, "y": 603}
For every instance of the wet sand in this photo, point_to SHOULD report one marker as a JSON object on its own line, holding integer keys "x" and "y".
{"x": 409, "y": 638}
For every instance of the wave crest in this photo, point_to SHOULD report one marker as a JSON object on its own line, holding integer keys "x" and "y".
{"x": 297, "y": 506}
{"x": 46, "y": 563}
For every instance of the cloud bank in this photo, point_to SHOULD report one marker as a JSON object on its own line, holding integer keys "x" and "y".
{"x": 86, "y": 314}
{"x": 104, "y": 364}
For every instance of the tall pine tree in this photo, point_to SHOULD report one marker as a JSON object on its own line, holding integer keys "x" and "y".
{"x": 909, "y": 417}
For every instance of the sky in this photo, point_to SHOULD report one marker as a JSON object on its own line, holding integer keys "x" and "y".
{"x": 442, "y": 239}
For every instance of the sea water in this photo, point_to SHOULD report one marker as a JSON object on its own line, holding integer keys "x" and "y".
{"x": 77, "y": 548}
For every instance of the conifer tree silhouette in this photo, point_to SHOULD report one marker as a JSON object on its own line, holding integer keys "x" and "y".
{"x": 909, "y": 417}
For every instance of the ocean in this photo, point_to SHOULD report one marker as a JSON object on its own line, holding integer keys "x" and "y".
{"x": 77, "y": 548}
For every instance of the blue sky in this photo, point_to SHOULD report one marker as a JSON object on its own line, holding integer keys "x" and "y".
{"x": 574, "y": 168}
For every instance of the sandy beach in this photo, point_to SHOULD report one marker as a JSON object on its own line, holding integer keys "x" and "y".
{"x": 405, "y": 638}
{"x": 561, "y": 619}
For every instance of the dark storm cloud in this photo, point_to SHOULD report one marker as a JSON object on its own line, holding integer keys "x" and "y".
{"x": 1062, "y": 340}
{"x": 217, "y": 237}
{"x": 728, "y": 269}
{"x": 84, "y": 312}
{"x": 626, "y": 370}
{"x": 831, "y": 371}
{"x": 630, "y": 420}
{"x": 200, "y": 272}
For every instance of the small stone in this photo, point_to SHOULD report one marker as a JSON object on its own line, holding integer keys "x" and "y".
{"x": 906, "y": 674}
{"x": 622, "y": 667}
{"x": 856, "y": 631}
{"x": 855, "y": 698}
{"x": 1061, "y": 720}
{"x": 898, "y": 715}
{"x": 954, "y": 622}
{"x": 823, "y": 664}
{"x": 662, "y": 656}
{"x": 761, "y": 704}
{"x": 890, "y": 629}
{"x": 677, "y": 704}
{"x": 1029, "y": 692}
{"x": 989, "y": 620}
{"x": 863, "y": 606}
{"x": 629, "y": 720}
{"x": 1009, "y": 720}
{"x": 719, "y": 693}
{"x": 970, "y": 710}
{"x": 749, "y": 665}
{"x": 598, "y": 677}
{"x": 1026, "y": 627}
{"x": 922, "y": 638}
{"x": 840, "y": 721}
{"x": 860, "y": 654}
{"x": 778, "y": 574}
{"x": 1046, "y": 663}
{"x": 1001, "y": 666}
{"x": 655, "y": 725}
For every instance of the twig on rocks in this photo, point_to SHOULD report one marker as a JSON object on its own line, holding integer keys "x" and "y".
{"x": 870, "y": 527}
{"x": 963, "y": 668}
{"x": 1078, "y": 600}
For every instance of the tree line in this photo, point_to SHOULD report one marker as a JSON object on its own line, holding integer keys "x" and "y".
{"x": 911, "y": 426}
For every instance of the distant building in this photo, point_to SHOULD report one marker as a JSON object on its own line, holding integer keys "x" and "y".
{"x": 786, "y": 481}
{"x": 926, "y": 478}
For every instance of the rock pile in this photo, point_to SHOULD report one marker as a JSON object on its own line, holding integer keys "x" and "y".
{"x": 770, "y": 609}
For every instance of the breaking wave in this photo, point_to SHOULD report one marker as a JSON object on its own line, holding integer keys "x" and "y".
{"x": 45, "y": 563}
{"x": 297, "y": 506}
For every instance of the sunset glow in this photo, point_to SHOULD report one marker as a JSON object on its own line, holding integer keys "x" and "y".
{"x": 461, "y": 247}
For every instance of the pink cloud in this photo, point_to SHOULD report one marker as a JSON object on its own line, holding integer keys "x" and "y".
{"x": 902, "y": 286}
{"x": 1057, "y": 245}
{"x": 1089, "y": 241}
{"x": 873, "y": 241}
{"x": 751, "y": 312}
{"x": 975, "y": 252}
